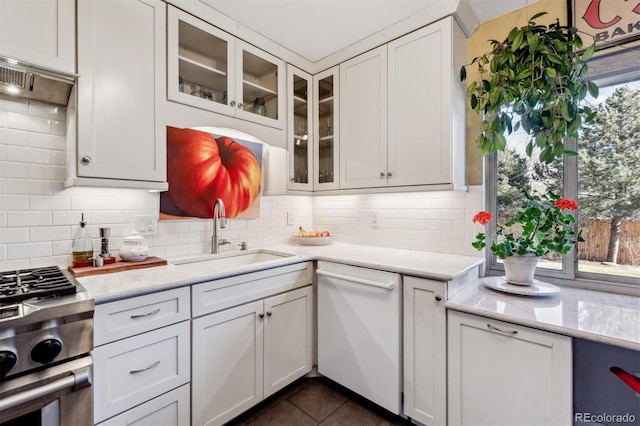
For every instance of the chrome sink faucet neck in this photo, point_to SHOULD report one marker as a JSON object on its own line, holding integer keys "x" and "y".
{"x": 219, "y": 217}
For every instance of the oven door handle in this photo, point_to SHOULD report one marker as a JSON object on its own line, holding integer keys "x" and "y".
{"x": 78, "y": 379}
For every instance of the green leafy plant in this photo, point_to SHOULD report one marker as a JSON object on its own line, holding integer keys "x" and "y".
{"x": 539, "y": 227}
{"x": 536, "y": 75}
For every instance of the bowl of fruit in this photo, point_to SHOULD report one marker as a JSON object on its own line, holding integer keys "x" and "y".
{"x": 312, "y": 238}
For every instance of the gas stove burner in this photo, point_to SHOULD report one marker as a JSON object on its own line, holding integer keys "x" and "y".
{"x": 25, "y": 284}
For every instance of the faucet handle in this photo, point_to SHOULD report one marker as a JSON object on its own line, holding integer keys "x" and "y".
{"x": 243, "y": 245}
{"x": 223, "y": 241}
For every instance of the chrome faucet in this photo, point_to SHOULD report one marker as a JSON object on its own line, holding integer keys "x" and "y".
{"x": 218, "y": 212}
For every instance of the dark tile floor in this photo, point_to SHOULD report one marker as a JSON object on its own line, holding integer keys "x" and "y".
{"x": 316, "y": 401}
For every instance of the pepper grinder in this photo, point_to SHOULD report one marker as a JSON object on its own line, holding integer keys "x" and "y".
{"x": 105, "y": 233}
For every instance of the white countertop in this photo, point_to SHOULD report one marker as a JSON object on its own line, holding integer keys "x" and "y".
{"x": 443, "y": 267}
{"x": 593, "y": 315}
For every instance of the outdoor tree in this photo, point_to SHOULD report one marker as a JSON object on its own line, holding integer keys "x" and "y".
{"x": 609, "y": 164}
{"x": 513, "y": 182}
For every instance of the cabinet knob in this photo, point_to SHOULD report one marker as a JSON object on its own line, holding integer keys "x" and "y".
{"x": 232, "y": 103}
{"x": 291, "y": 179}
{"x": 438, "y": 298}
{"x": 239, "y": 105}
{"x": 381, "y": 174}
{"x": 389, "y": 174}
{"x": 268, "y": 313}
{"x": 85, "y": 160}
{"x": 261, "y": 315}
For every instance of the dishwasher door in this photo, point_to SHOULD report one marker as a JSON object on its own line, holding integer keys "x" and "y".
{"x": 359, "y": 331}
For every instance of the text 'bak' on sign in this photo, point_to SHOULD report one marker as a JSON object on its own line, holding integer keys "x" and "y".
{"x": 609, "y": 22}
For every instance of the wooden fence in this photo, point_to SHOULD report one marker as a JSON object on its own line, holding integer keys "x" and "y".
{"x": 596, "y": 235}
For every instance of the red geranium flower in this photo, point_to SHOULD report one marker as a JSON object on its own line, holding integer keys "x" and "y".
{"x": 482, "y": 218}
{"x": 564, "y": 204}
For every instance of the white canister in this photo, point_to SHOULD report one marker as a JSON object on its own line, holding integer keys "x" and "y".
{"x": 134, "y": 248}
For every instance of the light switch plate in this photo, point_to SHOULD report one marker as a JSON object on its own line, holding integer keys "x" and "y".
{"x": 146, "y": 225}
{"x": 290, "y": 217}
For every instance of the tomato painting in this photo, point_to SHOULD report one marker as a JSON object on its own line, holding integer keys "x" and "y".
{"x": 202, "y": 168}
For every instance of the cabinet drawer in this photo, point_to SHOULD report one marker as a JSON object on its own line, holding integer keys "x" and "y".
{"x": 134, "y": 370}
{"x": 125, "y": 318}
{"x": 170, "y": 409}
{"x": 227, "y": 292}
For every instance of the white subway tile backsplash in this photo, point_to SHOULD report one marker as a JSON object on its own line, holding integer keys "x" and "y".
{"x": 14, "y": 235}
{"x": 28, "y": 123}
{"x": 49, "y": 233}
{"x": 29, "y": 218}
{"x": 29, "y": 250}
{"x": 14, "y": 137}
{"x": 38, "y": 216}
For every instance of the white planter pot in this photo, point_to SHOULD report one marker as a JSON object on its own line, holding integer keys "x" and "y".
{"x": 519, "y": 270}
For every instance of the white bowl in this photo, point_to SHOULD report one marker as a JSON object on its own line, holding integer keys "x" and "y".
{"x": 312, "y": 241}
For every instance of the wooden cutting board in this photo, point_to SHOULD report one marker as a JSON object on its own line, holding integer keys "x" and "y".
{"x": 117, "y": 267}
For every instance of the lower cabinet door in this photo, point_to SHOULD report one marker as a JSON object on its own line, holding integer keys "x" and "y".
{"x": 425, "y": 351}
{"x": 131, "y": 371}
{"x": 288, "y": 338}
{"x": 504, "y": 374}
{"x": 169, "y": 409}
{"x": 227, "y": 363}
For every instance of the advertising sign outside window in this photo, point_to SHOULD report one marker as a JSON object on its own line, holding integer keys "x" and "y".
{"x": 609, "y": 22}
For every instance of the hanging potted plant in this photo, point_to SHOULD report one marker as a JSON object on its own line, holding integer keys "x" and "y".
{"x": 542, "y": 225}
{"x": 534, "y": 80}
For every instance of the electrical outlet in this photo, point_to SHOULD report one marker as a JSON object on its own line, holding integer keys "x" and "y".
{"x": 290, "y": 218}
{"x": 375, "y": 219}
{"x": 146, "y": 225}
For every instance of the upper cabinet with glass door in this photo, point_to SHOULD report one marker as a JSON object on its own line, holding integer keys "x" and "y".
{"x": 326, "y": 139}
{"x": 300, "y": 130}
{"x": 210, "y": 69}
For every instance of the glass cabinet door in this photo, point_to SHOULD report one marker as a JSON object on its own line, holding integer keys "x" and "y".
{"x": 326, "y": 125}
{"x": 258, "y": 92}
{"x": 299, "y": 130}
{"x": 200, "y": 63}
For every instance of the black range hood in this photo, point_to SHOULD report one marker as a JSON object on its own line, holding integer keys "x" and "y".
{"x": 26, "y": 81}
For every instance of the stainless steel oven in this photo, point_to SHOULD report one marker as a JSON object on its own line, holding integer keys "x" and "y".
{"x": 46, "y": 336}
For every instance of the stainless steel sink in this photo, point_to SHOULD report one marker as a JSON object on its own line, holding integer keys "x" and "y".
{"x": 227, "y": 261}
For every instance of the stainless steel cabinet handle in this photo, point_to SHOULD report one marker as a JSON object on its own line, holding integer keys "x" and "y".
{"x": 387, "y": 286}
{"x": 155, "y": 364}
{"x": 268, "y": 313}
{"x": 148, "y": 314}
{"x": 232, "y": 103}
{"x": 381, "y": 174}
{"x": 493, "y": 327}
{"x": 85, "y": 160}
{"x": 438, "y": 298}
{"x": 261, "y": 315}
{"x": 389, "y": 174}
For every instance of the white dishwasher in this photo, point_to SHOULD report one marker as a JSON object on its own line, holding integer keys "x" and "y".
{"x": 359, "y": 331}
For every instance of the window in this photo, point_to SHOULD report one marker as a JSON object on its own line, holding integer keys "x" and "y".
{"x": 604, "y": 178}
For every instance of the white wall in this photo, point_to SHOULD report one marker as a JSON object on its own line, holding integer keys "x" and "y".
{"x": 38, "y": 216}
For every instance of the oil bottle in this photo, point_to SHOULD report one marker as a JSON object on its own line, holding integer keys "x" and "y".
{"x": 82, "y": 245}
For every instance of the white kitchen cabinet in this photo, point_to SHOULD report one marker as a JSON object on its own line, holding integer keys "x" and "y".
{"x": 42, "y": 34}
{"x": 131, "y": 371}
{"x": 243, "y": 354}
{"x": 169, "y": 409}
{"x": 427, "y": 106}
{"x": 402, "y": 117}
{"x": 504, "y": 374}
{"x": 363, "y": 120}
{"x": 425, "y": 351}
{"x": 326, "y": 120}
{"x": 210, "y": 69}
{"x": 141, "y": 352}
{"x": 300, "y": 129}
{"x": 121, "y": 131}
